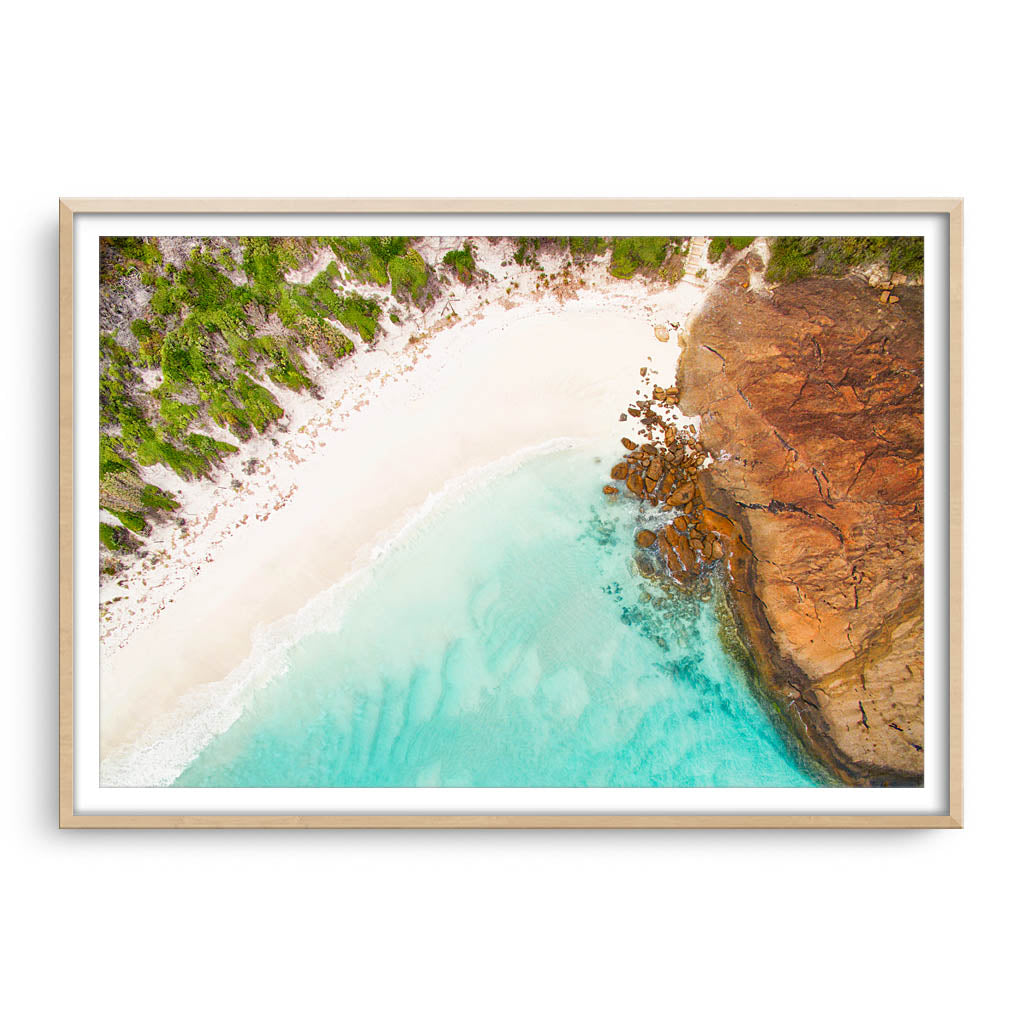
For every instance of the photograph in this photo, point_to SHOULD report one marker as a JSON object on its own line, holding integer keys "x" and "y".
{"x": 495, "y": 505}
{"x": 518, "y": 511}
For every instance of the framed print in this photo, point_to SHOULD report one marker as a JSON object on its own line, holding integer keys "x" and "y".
{"x": 510, "y": 513}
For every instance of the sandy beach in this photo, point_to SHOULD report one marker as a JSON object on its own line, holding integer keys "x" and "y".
{"x": 514, "y": 368}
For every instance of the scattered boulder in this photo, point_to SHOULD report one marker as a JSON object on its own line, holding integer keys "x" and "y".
{"x": 645, "y": 538}
{"x": 608, "y": 489}
{"x": 620, "y": 471}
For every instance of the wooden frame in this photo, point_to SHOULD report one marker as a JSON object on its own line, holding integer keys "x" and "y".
{"x": 952, "y": 208}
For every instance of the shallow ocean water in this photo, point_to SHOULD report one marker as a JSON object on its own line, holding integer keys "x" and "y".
{"x": 509, "y": 640}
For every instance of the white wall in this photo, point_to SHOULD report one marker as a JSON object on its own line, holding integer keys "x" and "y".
{"x": 531, "y": 99}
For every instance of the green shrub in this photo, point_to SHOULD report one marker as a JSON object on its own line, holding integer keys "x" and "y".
{"x": 408, "y": 275}
{"x": 206, "y": 286}
{"x": 793, "y": 258}
{"x": 209, "y": 448}
{"x": 111, "y": 458}
{"x": 285, "y": 368}
{"x": 130, "y": 520}
{"x": 259, "y": 404}
{"x": 153, "y": 497}
{"x": 368, "y": 257}
{"x": 906, "y": 255}
{"x": 525, "y": 253}
{"x": 640, "y": 253}
{"x": 461, "y": 262}
{"x": 138, "y": 250}
{"x": 226, "y": 414}
{"x": 582, "y": 246}
{"x": 183, "y": 361}
{"x": 110, "y": 349}
{"x": 185, "y": 463}
{"x": 177, "y": 416}
{"x": 262, "y": 266}
{"x": 109, "y": 537}
{"x": 168, "y": 298}
{"x": 718, "y": 245}
{"x": 319, "y": 299}
{"x": 150, "y": 341}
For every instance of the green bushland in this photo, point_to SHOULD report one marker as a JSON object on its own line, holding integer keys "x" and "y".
{"x": 384, "y": 260}
{"x": 409, "y": 277}
{"x": 121, "y": 256}
{"x": 583, "y": 246}
{"x": 150, "y": 342}
{"x": 258, "y": 403}
{"x": 153, "y": 497}
{"x": 111, "y": 459}
{"x": 217, "y": 344}
{"x": 367, "y": 257}
{"x": 645, "y": 253}
{"x": 525, "y": 253}
{"x": 110, "y": 537}
{"x": 793, "y": 258}
{"x": 462, "y": 262}
{"x": 719, "y": 244}
{"x": 130, "y": 520}
{"x": 177, "y": 416}
{"x": 217, "y": 347}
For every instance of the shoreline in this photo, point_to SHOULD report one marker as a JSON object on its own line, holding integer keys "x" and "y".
{"x": 172, "y": 741}
{"x": 777, "y": 679}
{"x": 498, "y": 381}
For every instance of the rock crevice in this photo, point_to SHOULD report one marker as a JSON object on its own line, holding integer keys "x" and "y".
{"x": 811, "y": 405}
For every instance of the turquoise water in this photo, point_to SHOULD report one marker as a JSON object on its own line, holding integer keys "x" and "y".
{"x": 510, "y": 641}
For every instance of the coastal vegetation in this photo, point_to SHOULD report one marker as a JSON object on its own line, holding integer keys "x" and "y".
{"x": 383, "y": 261}
{"x": 190, "y": 363}
{"x": 461, "y": 262}
{"x": 795, "y": 257}
{"x": 198, "y": 333}
{"x": 719, "y": 244}
{"x": 202, "y": 337}
{"x": 648, "y": 255}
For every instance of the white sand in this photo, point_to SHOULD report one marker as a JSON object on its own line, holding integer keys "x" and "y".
{"x": 396, "y": 425}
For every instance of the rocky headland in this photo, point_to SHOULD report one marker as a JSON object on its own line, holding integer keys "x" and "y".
{"x": 806, "y": 485}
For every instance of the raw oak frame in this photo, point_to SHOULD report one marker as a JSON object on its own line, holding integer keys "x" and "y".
{"x": 951, "y": 207}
